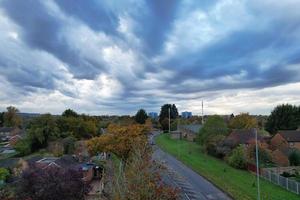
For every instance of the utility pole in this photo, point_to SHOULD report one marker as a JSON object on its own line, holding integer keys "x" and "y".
{"x": 257, "y": 165}
{"x": 202, "y": 114}
{"x": 169, "y": 120}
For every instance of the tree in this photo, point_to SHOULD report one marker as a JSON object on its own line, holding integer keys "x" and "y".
{"x": 237, "y": 158}
{"x": 4, "y": 174}
{"x": 141, "y": 116}
{"x": 51, "y": 183}
{"x": 141, "y": 179}
{"x": 69, "y": 113}
{"x": 41, "y": 129}
{"x": 1, "y": 119}
{"x": 23, "y": 146}
{"x": 243, "y": 121}
{"x": 119, "y": 140}
{"x": 213, "y": 127}
{"x": 165, "y": 124}
{"x": 164, "y": 112}
{"x": 77, "y": 127}
{"x": 283, "y": 117}
{"x": 10, "y": 118}
{"x": 69, "y": 145}
{"x": 264, "y": 155}
{"x": 294, "y": 158}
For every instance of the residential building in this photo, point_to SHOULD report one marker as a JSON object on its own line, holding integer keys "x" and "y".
{"x": 89, "y": 170}
{"x": 153, "y": 115}
{"x": 186, "y": 114}
{"x": 176, "y": 135}
{"x": 190, "y": 131}
{"x": 6, "y": 132}
{"x": 243, "y": 137}
{"x": 287, "y": 138}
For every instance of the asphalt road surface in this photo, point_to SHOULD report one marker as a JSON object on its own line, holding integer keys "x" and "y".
{"x": 192, "y": 185}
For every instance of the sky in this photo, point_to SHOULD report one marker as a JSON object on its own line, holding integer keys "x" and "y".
{"x": 114, "y": 57}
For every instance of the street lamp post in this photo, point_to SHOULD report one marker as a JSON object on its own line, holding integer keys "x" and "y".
{"x": 257, "y": 165}
{"x": 169, "y": 120}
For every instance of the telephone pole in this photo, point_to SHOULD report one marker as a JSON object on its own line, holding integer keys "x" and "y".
{"x": 202, "y": 114}
{"x": 169, "y": 120}
{"x": 257, "y": 165}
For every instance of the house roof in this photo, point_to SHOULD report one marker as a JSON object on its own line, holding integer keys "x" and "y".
{"x": 9, "y": 162}
{"x": 194, "y": 128}
{"x": 290, "y": 135}
{"x": 66, "y": 161}
{"x": 6, "y": 129}
{"x": 243, "y": 136}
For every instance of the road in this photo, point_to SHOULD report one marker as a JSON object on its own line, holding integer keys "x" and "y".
{"x": 192, "y": 185}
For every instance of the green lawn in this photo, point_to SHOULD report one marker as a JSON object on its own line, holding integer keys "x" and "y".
{"x": 238, "y": 183}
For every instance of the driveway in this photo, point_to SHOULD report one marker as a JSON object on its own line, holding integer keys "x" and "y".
{"x": 192, "y": 185}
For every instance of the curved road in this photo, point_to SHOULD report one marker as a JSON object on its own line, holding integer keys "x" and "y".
{"x": 192, "y": 185}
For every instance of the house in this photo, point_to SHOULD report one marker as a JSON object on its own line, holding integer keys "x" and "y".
{"x": 4, "y": 131}
{"x": 287, "y": 138}
{"x": 190, "y": 131}
{"x": 243, "y": 137}
{"x": 10, "y": 136}
{"x": 89, "y": 170}
{"x": 176, "y": 135}
{"x": 280, "y": 157}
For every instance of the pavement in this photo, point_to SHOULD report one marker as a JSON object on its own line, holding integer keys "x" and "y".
{"x": 192, "y": 185}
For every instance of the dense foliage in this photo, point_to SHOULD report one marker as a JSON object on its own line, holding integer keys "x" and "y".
{"x": 294, "y": 158}
{"x": 41, "y": 129}
{"x": 119, "y": 140}
{"x": 4, "y": 173}
{"x": 264, "y": 156}
{"x": 141, "y": 116}
{"x": 237, "y": 158}
{"x": 23, "y": 146}
{"x": 77, "y": 127}
{"x": 10, "y": 117}
{"x": 51, "y": 183}
{"x": 164, "y": 115}
{"x": 283, "y": 117}
{"x": 69, "y": 113}
{"x": 243, "y": 121}
{"x": 141, "y": 179}
{"x": 1, "y": 119}
{"x": 213, "y": 127}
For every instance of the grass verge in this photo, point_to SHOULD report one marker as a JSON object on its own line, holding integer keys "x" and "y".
{"x": 240, "y": 184}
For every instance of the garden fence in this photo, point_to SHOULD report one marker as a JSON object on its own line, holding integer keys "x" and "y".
{"x": 287, "y": 183}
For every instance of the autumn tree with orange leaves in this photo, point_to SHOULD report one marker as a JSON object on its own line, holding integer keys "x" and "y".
{"x": 120, "y": 140}
{"x": 139, "y": 177}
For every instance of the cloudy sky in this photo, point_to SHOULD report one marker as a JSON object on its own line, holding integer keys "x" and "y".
{"x": 114, "y": 57}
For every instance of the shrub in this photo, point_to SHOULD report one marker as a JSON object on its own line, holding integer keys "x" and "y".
{"x": 294, "y": 158}
{"x": 56, "y": 148}
{"x": 51, "y": 183}
{"x": 4, "y": 173}
{"x": 69, "y": 145}
{"x": 237, "y": 158}
{"x": 23, "y": 147}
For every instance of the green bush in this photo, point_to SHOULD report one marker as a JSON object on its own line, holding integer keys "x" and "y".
{"x": 294, "y": 158}
{"x": 69, "y": 145}
{"x": 4, "y": 173}
{"x": 237, "y": 158}
{"x": 23, "y": 147}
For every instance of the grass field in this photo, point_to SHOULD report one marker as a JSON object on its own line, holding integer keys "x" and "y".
{"x": 238, "y": 183}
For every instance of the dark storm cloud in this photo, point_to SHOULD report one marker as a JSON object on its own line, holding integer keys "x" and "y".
{"x": 96, "y": 14}
{"x": 42, "y": 30}
{"x": 58, "y": 43}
